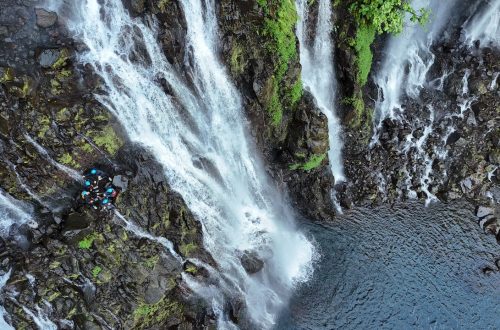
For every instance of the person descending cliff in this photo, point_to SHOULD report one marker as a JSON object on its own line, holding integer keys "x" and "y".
{"x": 98, "y": 191}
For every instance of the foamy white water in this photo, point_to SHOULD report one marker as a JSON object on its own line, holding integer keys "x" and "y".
{"x": 40, "y": 318}
{"x": 316, "y": 58}
{"x": 408, "y": 59}
{"x": 3, "y": 324}
{"x": 238, "y": 209}
{"x": 12, "y": 212}
{"x": 484, "y": 25}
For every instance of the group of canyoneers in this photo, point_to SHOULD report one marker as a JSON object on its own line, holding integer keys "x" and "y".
{"x": 98, "y": 190}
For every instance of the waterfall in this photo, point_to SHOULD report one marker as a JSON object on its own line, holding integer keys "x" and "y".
{"x": 401, "y": 78}
{"x": 316, "y": 58}
{"x": 12, "y": 212}
{"x": 198, "y": 135}
{"x": 408, "y": 59}
{"x": 484, "y": 25}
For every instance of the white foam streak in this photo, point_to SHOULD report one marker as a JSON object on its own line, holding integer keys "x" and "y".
{"x": 199, "y": 138}
{"x": 132, "y": 227}
{"x": 12, "y": 212}
{"x": 69, "y": 171}
{"x": 3, "y": 324}
{"x": 41, "y": 320}
{"x": 316, "y": 58}
{"x": 493, "y": 84}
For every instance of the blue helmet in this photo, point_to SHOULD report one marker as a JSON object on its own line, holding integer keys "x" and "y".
{"x": 93, "y": 171}
{"x": 105, "y": 201}
{"x": 87, "y": 183}
{"x": 110, "y": 190}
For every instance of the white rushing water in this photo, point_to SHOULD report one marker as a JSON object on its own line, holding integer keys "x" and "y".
{"x": 198, "y": 135}
{"x": 407, "y": 61}
{"x": 41, "y": 318}
{"x": 12, "y": 212}
{"x": 484, "y": 25}
{"x": 3, "y": 323}
{"x": 316, "y": 58}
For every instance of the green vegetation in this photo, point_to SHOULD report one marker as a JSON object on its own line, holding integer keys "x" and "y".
{"x": 162, "y": 5}
{"x": 66, "y": 159}
{"x": 86, "y": 243}
{"x": 274, "y": 108}
{"x": 358, "y": 104}
{"x": 191, "y": 269}
{"x": 152, "y": 261}
{"x": 53, "y": 296}
{"x": 147, "y": 315}
{"x": 313, "y": 162}
{"x": 61, "y": 60}
{"x": 281, "y": 29}
{"x": 8, "y": 75}
{"x": 386, "y": 15}
{"x": 279, "y": 25}
{"x": 44, "y": 126}
{"x": 187, "y": 249}
{"x": 375, "y": 17}
{"x": 364, "y": 38}
{"x": 296, "y": 91}
{"x": 237, "y": 61}
{"x": 107, "y": 139}
{"x": 96, "y": 271}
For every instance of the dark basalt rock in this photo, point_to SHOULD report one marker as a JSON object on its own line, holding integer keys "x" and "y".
{"x": 45, "y": 18}
{"x": 251, "y": 262}
{"x": 82, "y": 257}
{"x": 76, "y": 220}
{"x": 48, "y": 57}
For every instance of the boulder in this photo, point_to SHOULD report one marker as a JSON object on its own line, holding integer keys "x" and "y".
{"x": 483, "y": 211}
{"x": 48, "y": 57}
{"x": 137, "y": 5}
{"x": 76, "y": 221}
{"x": 121, "y": 182}
{"x": 251, "y": 262}
{"x": 45, "y": 18}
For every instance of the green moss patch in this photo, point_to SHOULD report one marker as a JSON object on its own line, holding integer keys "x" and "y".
{"x": 96, "y": 271}
{"x": 365, "y": 36}
{"x": 107, "y": 139}
{"x": 148, "y": 315}
{"x": 187, "y": 249}
{"x": 313, "y": 162}
{"x": 279, "y": 25}
{"x": 86, "y": 243}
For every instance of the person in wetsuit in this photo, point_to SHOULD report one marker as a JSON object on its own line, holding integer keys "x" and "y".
{"x": 99, "y": 191}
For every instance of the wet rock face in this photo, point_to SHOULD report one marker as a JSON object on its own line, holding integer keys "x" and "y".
{"x": 71, "y": 257}
{"x": 45, "y": 18}
{"x": 443, "y": 146}
{"x": 251, "y": 262}
{"x": 302, "y": 133}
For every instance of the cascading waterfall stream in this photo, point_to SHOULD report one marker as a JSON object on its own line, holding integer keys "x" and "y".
{"x": 12, "y": 212}
{"x": 3, "y": 324}
{"x": 187, "y": 129}
{"x": 407, "y": 62}
{"x": 318, "y": 76}
{"x": 484, "y": 25}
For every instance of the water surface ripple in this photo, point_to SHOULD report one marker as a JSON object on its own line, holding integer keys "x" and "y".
{"x": 400, "y": 268}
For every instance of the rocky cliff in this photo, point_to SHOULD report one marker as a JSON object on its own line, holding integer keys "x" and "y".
{"x": 91, "y": 270}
